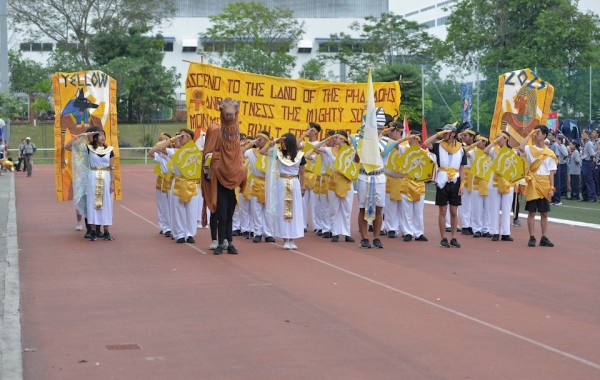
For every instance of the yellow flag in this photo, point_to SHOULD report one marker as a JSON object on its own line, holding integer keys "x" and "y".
{"x": 344, "y": 163}
{"x": 482, "y": 166}
{"x": 416, "y": 164}
{"x": 188, "y": 159}
{"x": 509, "y": 165}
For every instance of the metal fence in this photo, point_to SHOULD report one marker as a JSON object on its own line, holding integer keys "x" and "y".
{"x": 129, "y": 155}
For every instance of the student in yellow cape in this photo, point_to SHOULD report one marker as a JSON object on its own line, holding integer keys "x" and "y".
{"x": 241, "y": 222}
{"x": 540, "y": 182}
{"x": 479, "y": 189}
{"x": 392, "y": 212}
{"x": 323, "y": 214}
{"x": 467, "y": 136}
{"x": 309, "y": 201}
{"x": 451, "y": 159}
{"x": 413, "y": 195}
{"x": 259, "y": 223}
{"x": 285, "y": 187}
{"x": 501, "y": 193}
{"x": 341, "y": 194}
{"x": 164, "y": 180}
{"x": 186, "y": 167}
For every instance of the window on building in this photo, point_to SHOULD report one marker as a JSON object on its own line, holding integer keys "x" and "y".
{"x": 442, "y": 21}
{"x": 189, "y": 45}
{"x": 427, "y": 8}
{"x": 169, "y": 43}
{"x": 428, "y": 24}
{"x": 328, "y": 46}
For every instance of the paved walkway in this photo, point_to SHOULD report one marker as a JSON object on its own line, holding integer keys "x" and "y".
{"x": 11, "y": 367}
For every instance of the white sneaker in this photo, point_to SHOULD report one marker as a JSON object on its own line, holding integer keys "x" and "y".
{"x": 213, "y": 245}
{"x": 286, "y": 245}
{"x": 79, "y": 226}
{"x": 293, "y": 245}
{"x": 225, "y": 244}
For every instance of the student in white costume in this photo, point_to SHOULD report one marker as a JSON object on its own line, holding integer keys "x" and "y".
{"x": 479, "y": 194}
{"x": 309, "y": 198}
{"x": 163, "y": 185}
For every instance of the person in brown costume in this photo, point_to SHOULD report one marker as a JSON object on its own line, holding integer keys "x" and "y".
{"x": 224, "y": 171}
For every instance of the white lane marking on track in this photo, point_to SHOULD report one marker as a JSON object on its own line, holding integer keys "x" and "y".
{"x": 455, "y": 312}
{"x": 155, "y": 225}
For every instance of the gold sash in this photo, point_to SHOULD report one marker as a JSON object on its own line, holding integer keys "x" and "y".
{"x": 185, "y": 189}
{"x": 538, "y": 186}
{"x": 310, "y": 180}
{"x": 414, "y": 189}
{"x": 99, "y": 174}
{"x": 394, "y": 187}
{"x": 502, "y": 184}
{"x": 468, "y": 179}
{"x": 340, "y": 184}
{"x": 159, "y": 181}
{"x": 288, "y": 196}
{"x": 452, "y": 173}
{"x": 258, "y": 189}
{"x": 247, "y": 193}
{"x": 166, "y": 184}
{"x": 481, "y": 185}
{"x": 322, "y": 184}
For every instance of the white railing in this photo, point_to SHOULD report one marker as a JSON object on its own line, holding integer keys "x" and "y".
{"x": 47, "y": 154}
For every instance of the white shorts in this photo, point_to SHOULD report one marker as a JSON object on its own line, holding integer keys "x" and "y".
{"x": 362, "y": 194}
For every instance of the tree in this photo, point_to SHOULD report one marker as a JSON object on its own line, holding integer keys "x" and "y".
{"x": 381, "y": 41}
{"x": 410, "y": 85}
{"x": 10, "y": 107}
{"x": 31, "y": 78}
{"x": 72, "y": 23}
{"x": 550, "y": 35}
{"x": 258, "y": 39}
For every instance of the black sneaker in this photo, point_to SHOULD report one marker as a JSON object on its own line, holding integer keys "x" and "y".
{"x": 246, "y": 235}
{"x": 531, "y": 241}
{"x": 370, "y": 228}
{"x": 506, "y": 238}
{"x": 93, "y": 236}
{"x": 477, "y": 234}
{"x": 465, "y": 231}
{"x": 319, "y": 232}
{"x": 486, "y": 234}
{"x": 180, "y": 240}
{"x": 454, "y": 243}
{"x": 545, "y": 242}
{"x": 382, "y": 233}
{"x": 495, "y": 237}
{"x": 168, "y": 234}
{"x": 407, "y": 237}
{"x": 444, "y": 243}
{"x": 335, "y": 239}
{"x": 448, "y": 229}
{"x": 232, "y": 250}
{"x": 326, "y": 235}
{"x": 257, "y": 239}
{"x": 392, "y": 234}
{"x": 269, "y": 239}
{"x": 422, "y": 238}
{"x": 364, "y": 243}
{"x": 107, "y": 236}
{"x": 349, "y": 239}
{"x": 218, "y": 250}
{"x": 190, "y": 240}
{"x": 88, "y": 234}
{"x": 236, "y": 233}
{"x": 377, "y": 243}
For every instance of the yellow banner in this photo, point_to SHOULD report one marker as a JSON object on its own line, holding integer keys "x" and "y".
{"x": 344, "y": 163}
{"x": 522, "y": 103}
{"x": 281, "y": 105}
{"x": 416, "y": 164}
{"x": 83, "y": 99}
{"x": 188, "y": 159}
{"x": 482, "y": 166}
{"x": 509, "y": 165}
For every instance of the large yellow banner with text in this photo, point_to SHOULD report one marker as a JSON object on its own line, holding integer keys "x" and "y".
{"x": 281, "y": 105}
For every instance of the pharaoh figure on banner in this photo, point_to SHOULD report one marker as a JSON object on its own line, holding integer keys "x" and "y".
{"x": 82, "y": 100}
{"x": 523, "y": 102}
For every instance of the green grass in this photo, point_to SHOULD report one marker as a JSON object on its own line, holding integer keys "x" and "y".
{"x": 569, "y": 210}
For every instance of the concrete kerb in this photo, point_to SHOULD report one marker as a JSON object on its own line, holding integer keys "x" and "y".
{"x": 11, "y": 354}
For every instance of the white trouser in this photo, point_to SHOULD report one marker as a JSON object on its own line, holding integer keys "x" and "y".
{"x": 500, "y": 206}
{"x": 392, "y": 215}
{"x": 308, "y": 203}
{"x": 479, "y": 212}
{"x": 340, "y": 210}
{"x": 259, "y": 223}
{"x": 413, "y": 216}
{"x": 185, "y": 217}
{"x": 465, "y": 209}
{"x": 236, "y": 220}
{"x": 162, "y": 211}
{"x": 322, "y": 218}
{"x": 244, "y": 211}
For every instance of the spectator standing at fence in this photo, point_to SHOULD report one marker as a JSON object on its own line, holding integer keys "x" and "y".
{"x": 563, "y": 168}
{"x": 588, "y": 189}
{"x": 596, "y": 141}
{"x": 29, "y": 149}
{"x": 553, "y": 145}
{"x": 575, "y": 170}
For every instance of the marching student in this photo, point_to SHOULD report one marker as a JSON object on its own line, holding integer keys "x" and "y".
{"x": 163, "y": 185}
{"x": 394, "y": 185}
{"x": 312, "y": 134}
{"x": 468, "y": 139}
{"x": 501, "y": 193}
{"x": 540, "y": 182}
{"x": 451, "y": 159}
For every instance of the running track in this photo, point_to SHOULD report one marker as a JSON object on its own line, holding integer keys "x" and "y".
{"x": 143, "y": 307}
